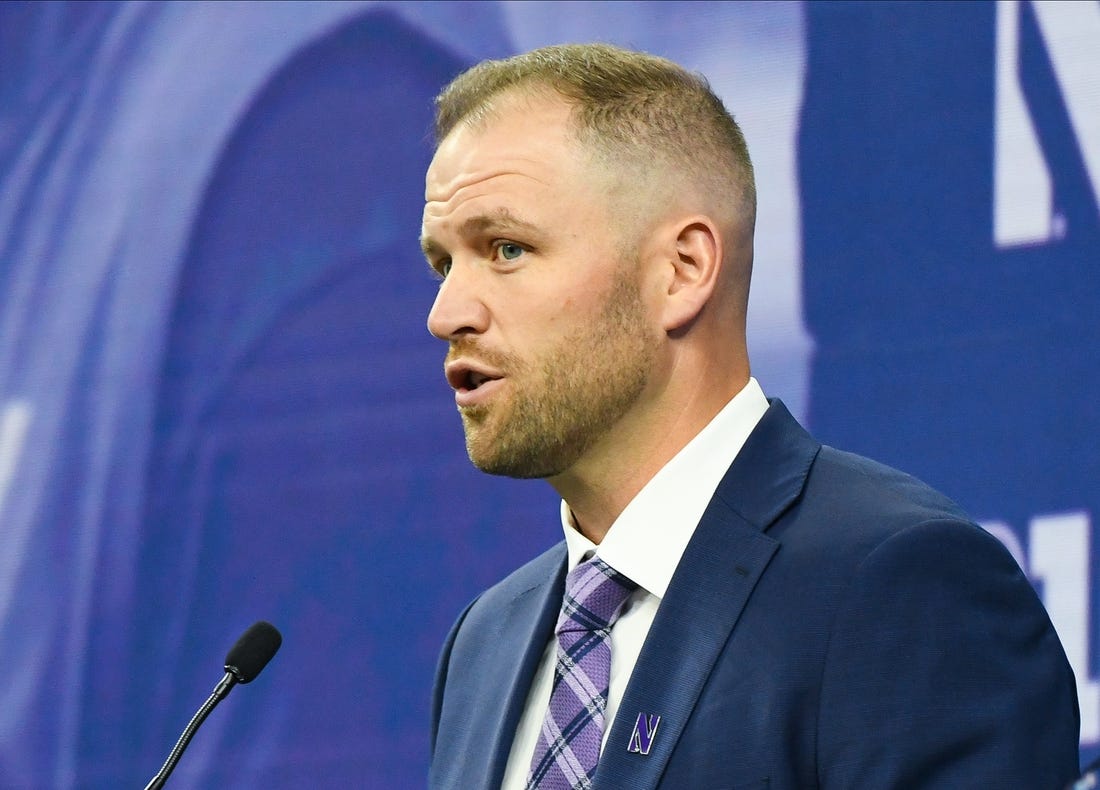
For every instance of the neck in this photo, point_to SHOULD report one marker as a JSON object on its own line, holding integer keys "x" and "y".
{"x": 600, "y": 486}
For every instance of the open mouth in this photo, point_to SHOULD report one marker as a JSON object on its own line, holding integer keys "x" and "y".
{"x": 467, "y": 378}
{"x": 475, "y": 379}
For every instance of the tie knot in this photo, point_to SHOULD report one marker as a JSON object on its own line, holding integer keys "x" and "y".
{"x": 594, "y": 594}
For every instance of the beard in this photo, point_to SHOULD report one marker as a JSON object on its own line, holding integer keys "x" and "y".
{"x": 565, "y": 401}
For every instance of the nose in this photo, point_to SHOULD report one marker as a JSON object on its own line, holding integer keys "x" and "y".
{"x": 459, "y": 307}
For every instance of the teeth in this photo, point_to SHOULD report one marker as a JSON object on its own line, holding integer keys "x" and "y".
{"x": 477, "y": 379}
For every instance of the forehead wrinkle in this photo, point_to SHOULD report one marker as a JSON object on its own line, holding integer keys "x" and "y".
{"x": 446, "y": 192}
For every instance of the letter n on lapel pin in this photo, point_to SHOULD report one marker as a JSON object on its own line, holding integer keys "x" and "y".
{"x": 645, "y": 730}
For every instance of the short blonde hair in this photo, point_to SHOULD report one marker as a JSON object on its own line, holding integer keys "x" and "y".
{"x": 630, "y": 107}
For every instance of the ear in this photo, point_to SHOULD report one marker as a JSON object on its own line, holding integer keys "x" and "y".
{"x": 693, "y": 262}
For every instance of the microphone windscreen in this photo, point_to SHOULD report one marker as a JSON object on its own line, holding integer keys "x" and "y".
{"x": 253, "y": 650}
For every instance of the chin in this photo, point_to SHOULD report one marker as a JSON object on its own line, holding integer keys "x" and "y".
{"x": 506, "y": 464}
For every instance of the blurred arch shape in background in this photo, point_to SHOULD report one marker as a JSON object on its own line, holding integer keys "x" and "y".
{"x": 219, "y": 403}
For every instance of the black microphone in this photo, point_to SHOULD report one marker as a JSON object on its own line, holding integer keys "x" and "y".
{"x": 244, "y": 661}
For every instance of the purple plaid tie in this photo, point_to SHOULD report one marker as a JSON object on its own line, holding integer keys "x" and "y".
{"x": 569, "y": 745}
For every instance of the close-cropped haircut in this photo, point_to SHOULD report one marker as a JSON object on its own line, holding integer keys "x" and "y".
{"x": 631, "y": 108}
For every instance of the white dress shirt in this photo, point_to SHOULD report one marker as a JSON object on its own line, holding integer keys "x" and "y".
{"x": 645, "y": 544}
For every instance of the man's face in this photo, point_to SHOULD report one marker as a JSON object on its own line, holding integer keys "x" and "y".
{"x": 540, "y": 301}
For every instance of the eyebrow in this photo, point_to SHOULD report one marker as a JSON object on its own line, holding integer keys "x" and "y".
{"x": 500, "y": 221}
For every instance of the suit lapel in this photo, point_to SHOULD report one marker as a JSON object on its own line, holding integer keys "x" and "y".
{"x": 711, "y": 586}
{"x": 528, "y": 620}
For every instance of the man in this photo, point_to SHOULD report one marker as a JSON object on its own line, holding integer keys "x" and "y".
{"x": 743, "y": 607}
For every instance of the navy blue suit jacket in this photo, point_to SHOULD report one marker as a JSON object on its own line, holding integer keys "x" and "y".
{"x": 833, "y": 623}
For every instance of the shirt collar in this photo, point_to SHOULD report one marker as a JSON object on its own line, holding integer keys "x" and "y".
{"x": 648, "y": 538}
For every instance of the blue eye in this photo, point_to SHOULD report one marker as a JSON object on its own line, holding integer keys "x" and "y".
{"x": 509, "y": 251}
{"x": 444, "y": 267}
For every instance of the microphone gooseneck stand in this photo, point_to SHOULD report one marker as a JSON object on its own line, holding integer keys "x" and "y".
{"x": 220, "y": 692}
{"x": 245, "y": 660}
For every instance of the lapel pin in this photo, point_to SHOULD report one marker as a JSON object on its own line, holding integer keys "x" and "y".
{"x": 645, "y": 730}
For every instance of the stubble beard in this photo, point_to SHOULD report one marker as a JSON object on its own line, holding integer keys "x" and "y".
{"x": 564, "y": 403}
